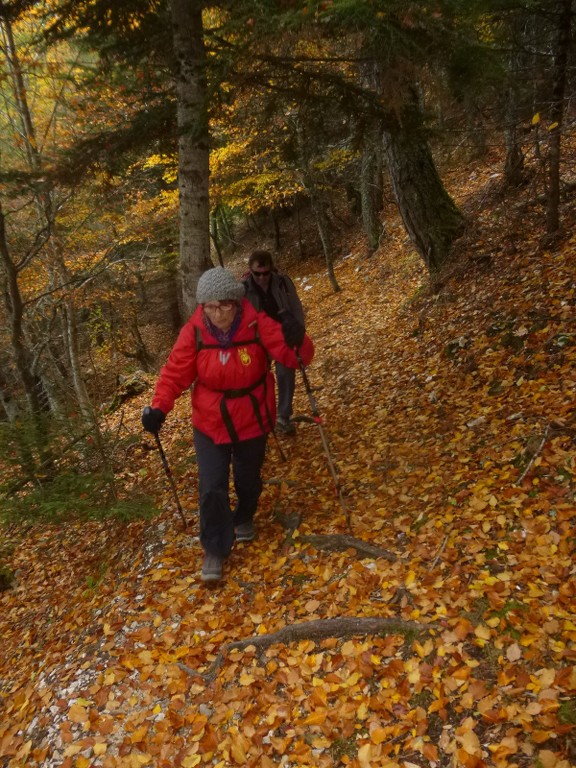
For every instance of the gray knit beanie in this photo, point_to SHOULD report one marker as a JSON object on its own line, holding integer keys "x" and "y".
{"x": 218, "y": 284}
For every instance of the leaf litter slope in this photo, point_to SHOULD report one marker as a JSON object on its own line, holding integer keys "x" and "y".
{"x": 451, "y": 422}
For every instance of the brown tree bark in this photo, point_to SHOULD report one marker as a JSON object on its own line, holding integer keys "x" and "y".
{"x": 193, "y": 147}
{"x": 15, "y": 313}
{"x": 557, "y": 113}
{"x": 59, "y": 271}
{"x": 430, "y": 216}
{"x": 514, "y": 162}
{"x": 317, "y": 201}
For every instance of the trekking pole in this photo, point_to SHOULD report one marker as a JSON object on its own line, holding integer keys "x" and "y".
{"x": 317, "y": 419}
{"x": 282, "y": 454}
{"x": 170, "y": 478}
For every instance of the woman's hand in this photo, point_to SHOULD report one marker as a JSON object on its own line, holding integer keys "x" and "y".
{"x": 152, "y": 419}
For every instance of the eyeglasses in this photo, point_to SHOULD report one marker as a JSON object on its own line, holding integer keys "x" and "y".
{"x": 223, "y": 306}
{"x": 264, "y": 273}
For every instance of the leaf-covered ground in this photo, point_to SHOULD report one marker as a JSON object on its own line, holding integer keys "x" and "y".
{"x": 451, "y": 423}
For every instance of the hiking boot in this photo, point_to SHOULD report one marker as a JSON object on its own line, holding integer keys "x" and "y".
{"x": 212, "y": 567}
{"x": 285, "y": 427}
{"x": 245, "y": 532}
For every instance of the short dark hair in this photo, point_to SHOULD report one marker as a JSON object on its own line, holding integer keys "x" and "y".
{"x": 261, "y": 258}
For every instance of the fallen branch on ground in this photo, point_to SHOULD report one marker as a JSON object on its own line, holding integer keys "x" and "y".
{"x": 318, "y": 629}
{"x": 442, "y": 548}
{"x": 534, "y": 455}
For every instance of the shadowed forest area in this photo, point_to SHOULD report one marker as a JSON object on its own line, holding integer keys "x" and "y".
{"x": 430, "y": 622}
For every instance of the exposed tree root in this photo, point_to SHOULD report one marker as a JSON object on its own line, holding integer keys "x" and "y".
{"x": 336, "y": 542}
{"x": 318, "y": 629}
{"x": 281, "y": 481}
{"x": 340, "y": 542}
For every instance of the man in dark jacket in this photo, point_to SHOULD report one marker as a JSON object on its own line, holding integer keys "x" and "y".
{"x": 275, "y": 294}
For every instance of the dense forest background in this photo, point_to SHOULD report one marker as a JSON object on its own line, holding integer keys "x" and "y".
{"x": 412, "y": 166}
{"x": 138, "y": 141}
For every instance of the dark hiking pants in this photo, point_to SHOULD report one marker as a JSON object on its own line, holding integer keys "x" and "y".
{"x": 286, "y": 384}
{"x": 217, "y": 518}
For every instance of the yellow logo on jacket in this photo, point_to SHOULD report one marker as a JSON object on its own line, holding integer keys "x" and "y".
{"x": 244, "y": 356}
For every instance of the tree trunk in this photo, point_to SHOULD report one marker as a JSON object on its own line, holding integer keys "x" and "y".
{"x": 13, "y": 298}
{"x": 276, "y": 225}
{"x": 71, "y": 339}
{"x": 514, "y": 162}
{"x": 215, "y": 237}
{"x": 141, "y": 354}
{"x": 225, "y": 226}
{"x": 300, "y": 236}
{"x": 45, "y": 208}
{"x": 318, "y": 203}
{"x": 370, "y": 188}
{"x": 557, "y": 114}
{"x": 193, "y": 147}
{"x": 475, "y": 132}
{"x": 430, "y": 216}
{"x": 23, "y": 360}
{"x": 15, "y": 313}
{"x": 319, "y": 208}
{"x": 19, "y": 90}
{"x": 368, "y": 132}
{"x": 7, "y": 401}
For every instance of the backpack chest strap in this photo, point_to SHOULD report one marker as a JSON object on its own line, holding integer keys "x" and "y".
{"x": 232, "y": 394}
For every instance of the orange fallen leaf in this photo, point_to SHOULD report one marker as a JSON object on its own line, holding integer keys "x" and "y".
{"x": 77, "y": 713}
{"x": 378, "y": 735}
{"x": 470, "y": 742}
{"x": 318, "y": 717}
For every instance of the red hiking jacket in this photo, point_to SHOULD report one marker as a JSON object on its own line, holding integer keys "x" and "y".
{"x": 214, "y": 371}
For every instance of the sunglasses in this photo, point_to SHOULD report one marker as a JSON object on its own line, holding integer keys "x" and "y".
{"x": 264, "y": 273}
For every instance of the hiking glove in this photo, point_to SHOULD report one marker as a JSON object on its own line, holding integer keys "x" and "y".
{"x": 152, "y": 419}
{"x": 293, "y": 330}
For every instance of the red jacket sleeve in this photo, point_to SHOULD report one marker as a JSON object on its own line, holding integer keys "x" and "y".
{"x": 273, "y": 341}
{"x": 179, "y": 372}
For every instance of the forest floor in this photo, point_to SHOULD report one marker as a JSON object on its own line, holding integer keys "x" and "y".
{"x": 451, "y": 641}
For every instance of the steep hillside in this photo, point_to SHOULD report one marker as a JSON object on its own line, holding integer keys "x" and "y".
{"x": 449, "y": 642}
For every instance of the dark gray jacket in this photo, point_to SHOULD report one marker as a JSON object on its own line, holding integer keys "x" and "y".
{"x": 283, "y": 291}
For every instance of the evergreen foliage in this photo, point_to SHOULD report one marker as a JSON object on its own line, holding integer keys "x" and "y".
{"x": 70, "y": 496}
{"x": 77, "y": 481}
{"x": 303, "y": 100}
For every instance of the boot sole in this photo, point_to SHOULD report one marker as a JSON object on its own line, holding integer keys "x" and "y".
{"x": 210, "y": 576}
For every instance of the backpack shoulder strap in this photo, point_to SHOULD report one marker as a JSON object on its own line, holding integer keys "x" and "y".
{"x": 254, "y": 324}
{"x": 199, "y": 343}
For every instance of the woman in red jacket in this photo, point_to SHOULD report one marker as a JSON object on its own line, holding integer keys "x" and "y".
{"x": 222, "y": 354}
